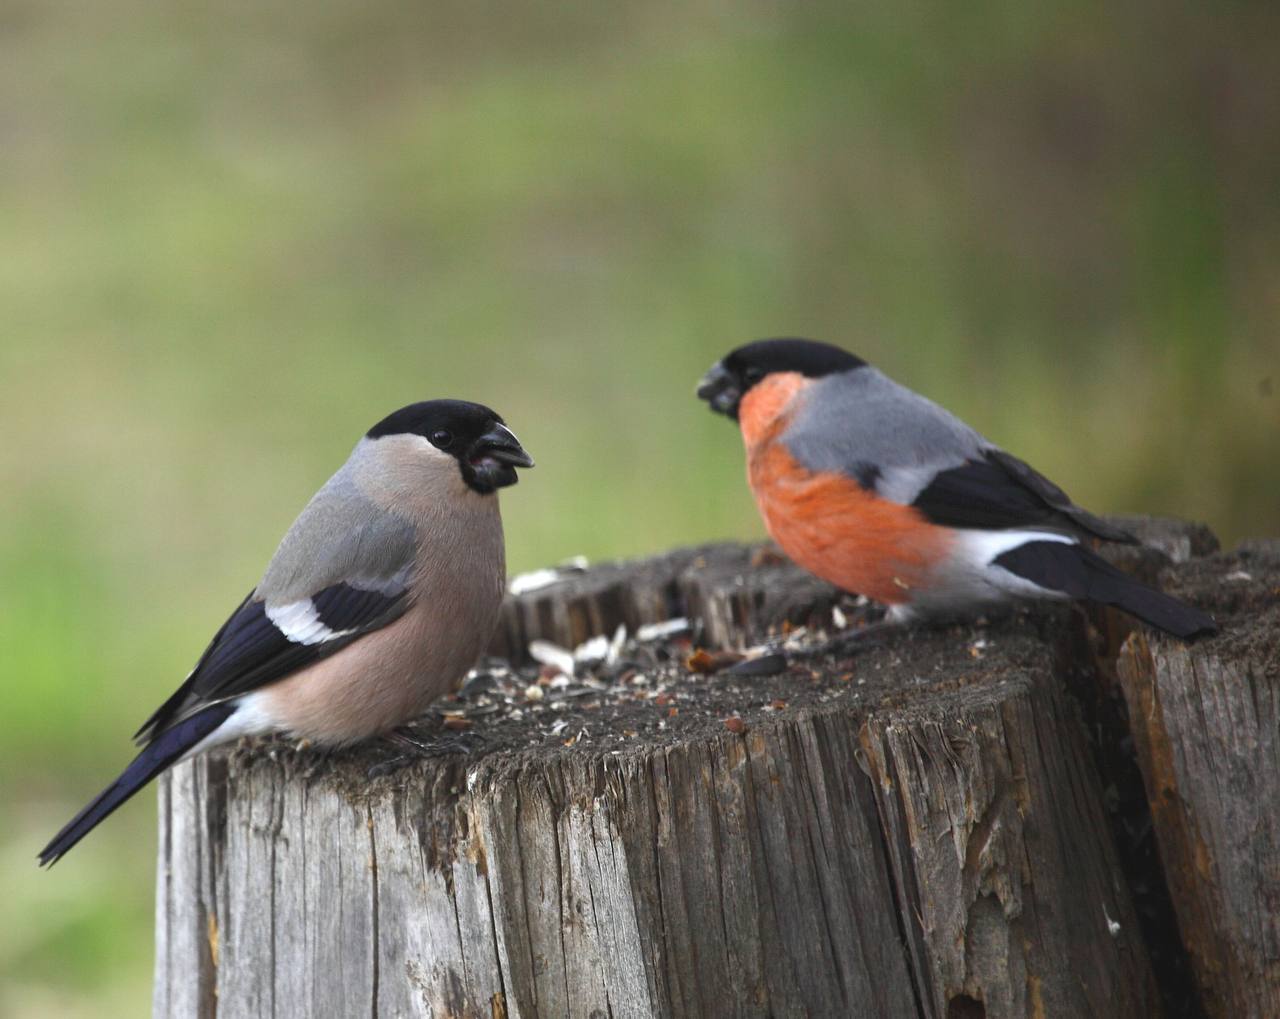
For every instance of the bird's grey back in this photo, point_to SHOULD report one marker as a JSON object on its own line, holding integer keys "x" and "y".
{"x": 341, "y": 536}
{"x": 862, "y": 423}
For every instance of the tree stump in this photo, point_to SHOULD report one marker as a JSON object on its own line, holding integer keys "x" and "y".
{"x": 1206, "y": 726}
{"x": 917, "y": 830}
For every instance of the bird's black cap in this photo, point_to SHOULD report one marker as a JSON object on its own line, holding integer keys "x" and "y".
{"x": 431, "y": 416}
{"x": 808, "y": 357}
{"x": 733, "y": 375}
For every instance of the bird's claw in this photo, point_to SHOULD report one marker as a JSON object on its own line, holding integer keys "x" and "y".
{"x": 771, "y": 663}
{"x": 389, "y": 766}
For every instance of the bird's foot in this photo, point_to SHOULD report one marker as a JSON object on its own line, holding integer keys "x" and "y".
{"x": 415, "y": 740}
{"x": 390, "y": 766}
{"x": 771, "y": 663}
{"x": 414, "y": 745}
{"x": 852, "y": 641}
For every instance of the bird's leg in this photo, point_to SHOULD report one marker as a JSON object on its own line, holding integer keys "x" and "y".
{"x": 447, "y": 742}
{"x": 409, "y": 749}
{"x": 403, "y": 738}
{"x": 851, "y": 642}
{"x": 414, "y": 747}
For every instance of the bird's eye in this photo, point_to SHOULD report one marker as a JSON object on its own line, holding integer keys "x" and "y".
{"x": 752, "y": 375}
{"x": 442, "y": 438}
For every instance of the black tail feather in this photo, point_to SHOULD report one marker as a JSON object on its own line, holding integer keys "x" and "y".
{"x": 1076, "y": 571}
{"x": 163, "y": 751}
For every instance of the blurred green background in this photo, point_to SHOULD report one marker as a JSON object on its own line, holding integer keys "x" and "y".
{"x": 236, "y": 234}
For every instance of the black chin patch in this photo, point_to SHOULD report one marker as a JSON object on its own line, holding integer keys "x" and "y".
{"x": 487, "y": 478}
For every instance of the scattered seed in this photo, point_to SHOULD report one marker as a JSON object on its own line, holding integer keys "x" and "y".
{"x": 708, "y": 662}
{"x": 657, "y": 631}
{"x": 592, "y": 651}
{"x": 735, "y": 725}
{"x": 699, "y": 661}
{"x": 547, "y": 653}
{"x": 477, "y": 683}
{"x": 533, "y": 581}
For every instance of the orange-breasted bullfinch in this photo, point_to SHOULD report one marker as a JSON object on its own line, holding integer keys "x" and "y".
{"x": 382, "y": 594}
{"x": 883, "y": 493}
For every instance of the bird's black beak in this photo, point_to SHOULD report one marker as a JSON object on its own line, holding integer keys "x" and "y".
{"x": 500, "y": 443}
{"x": 721, "y": 390}
{"x": 493, "y": 457}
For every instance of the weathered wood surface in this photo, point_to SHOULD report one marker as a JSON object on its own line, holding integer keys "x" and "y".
{"x": 918, "y": 831}
{"x": 1206, "y": 725}
{"x": 990, "y": 808}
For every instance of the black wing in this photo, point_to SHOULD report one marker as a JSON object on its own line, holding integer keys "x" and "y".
{"x": 997, "y": 491}
{"x": 250, "y": 650}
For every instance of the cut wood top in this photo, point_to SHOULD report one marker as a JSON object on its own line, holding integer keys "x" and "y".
{"x": 732, "y": 595}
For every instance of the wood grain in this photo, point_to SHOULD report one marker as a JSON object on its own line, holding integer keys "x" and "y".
{"x": 1206, "y": 725}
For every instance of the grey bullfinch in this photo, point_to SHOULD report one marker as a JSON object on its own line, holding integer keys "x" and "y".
{"x": 381, "y": 596}
{"x": 883, "y": 493}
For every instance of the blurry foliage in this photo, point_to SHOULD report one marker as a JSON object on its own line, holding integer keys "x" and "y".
{"x": 236, "y": 234}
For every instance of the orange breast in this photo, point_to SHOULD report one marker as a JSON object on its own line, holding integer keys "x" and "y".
{"x": 763, "y": 408}
{"x": 836, "y": 529}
